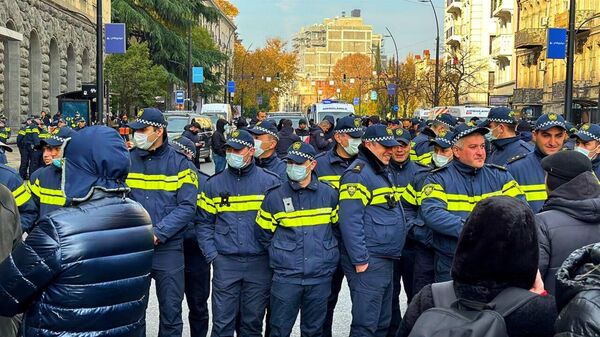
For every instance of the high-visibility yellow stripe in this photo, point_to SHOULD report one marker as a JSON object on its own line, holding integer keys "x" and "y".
{"x": 398, "y": 191}
{"x": 206, "y": 203}
{"x": 307, "y": 217}
{"x": 234, "y": 203}
{"x": 21, "y": 194}
{"x": 535, "y": 192}
{"x": 161, "y": 182}
{"x": 355, "y": 191}
{"x": 410, "y": 195}
{"x": 22, "y": 132}
{"x": 512, "y": 189}
{"x": 47, "y": 196}
{"x": 44, "y": 135}
{"x": 380, "y": 194}
{"x": 466, "y": 203}
{"x": 333, "y": 180}
{"x": 335, "y": 218}
{"x": 265, "y": 220}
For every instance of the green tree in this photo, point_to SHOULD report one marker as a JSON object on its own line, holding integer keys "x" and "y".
{"x": 135, "y": 80}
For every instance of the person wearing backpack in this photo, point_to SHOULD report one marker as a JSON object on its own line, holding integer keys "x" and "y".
{"x": 496, "y": 261}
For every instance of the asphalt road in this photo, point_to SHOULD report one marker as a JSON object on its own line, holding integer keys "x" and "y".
{"x": 342, "y": 318}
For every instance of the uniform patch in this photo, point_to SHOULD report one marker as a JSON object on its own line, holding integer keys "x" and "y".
{"x": 428, "y": 189}
{"x": 194, "y": 177}
{"x": 552, "y": 116}
{"x": 389, "y": 131}
{"x": 351, "y": 190}
{"x": 585, "y": 127}
{"x": 442, "y": 133}
{"x": 296, "y": 146}
{"x": 235, "y": 134}
{"x": 357, "y": 122}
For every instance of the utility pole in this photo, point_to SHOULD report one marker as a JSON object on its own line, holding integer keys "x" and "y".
{"x": 436, "y": 89}
{"x": 568, "y": 111}
{"x": 189, "y": 70}
{"x": 395, "y": 96}
{"x": 99, "y": 64}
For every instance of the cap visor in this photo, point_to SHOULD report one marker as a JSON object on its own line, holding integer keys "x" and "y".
{"x": 6, "y": 147}
{"x": 403, "y": 141}
{"x": 356, "y": 134}
{"x": 235, "y": 145}
{"x": 50, "y": 142}
{"x": 485, "y": 123}
{"x": 441, "y": 144}
{"x": 553, "y": 125}
{"x": 137, "y": 125}
{"x": 257, "y": 132}
{"x": 296, "y": 159}
{"x": 389, "y": 143}
{"x": 582, "y": 136}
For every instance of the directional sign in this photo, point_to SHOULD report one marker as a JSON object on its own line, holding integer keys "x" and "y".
{"x": 197, "y": 75}
{"x": 326, "y": 101}
{"x": 115, "y": 38}
{"x": 356, "y": 100}
{"x": 391, "y": 89}
{"x": 179, "y": 97}
{"x": 231, "y": 86}
{"x": 88, "y": 90}
{"x": 395, "y": 108}
{"x": 557, "y": 43}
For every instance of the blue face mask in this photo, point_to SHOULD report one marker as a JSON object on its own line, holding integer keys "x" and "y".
{"x": 235, "y": 161}
{"x": 296, "y": 172}
{"x": 57, "y": 163}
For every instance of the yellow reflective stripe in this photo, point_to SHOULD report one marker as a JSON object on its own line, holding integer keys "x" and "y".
{"x": 47, "y": 196}
{"x": 410, "y": 195}
{"x": 333, "y": 180}
{"x": 335, "y": 218}
{"x": 307, "y": 217}
{"x": 355, "y": 191}
{"x": 466, "y": 203}
{"x": 398, "y": 191}
{"x": 162, "y": 182}
{"x": 265, "y": 220}
{"x": 511, "y": 189}
{"x": 379, "y": 195}
{"x": 34, "y": 188}
{"x": 425, "y": 158}
{"x": 22, "y": 132}
{"x": 21, "y": 194}
{"x": 535, "y": 192}
{"x": 242, "y": 203}
{"x": 206, "y": 203}
{"x": 44, "y": 135}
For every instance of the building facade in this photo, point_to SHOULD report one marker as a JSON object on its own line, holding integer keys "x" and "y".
{"x": 47, "y": 48}
{"x": 467, "y": 26}
{"x": 540, "y": 81}
{"x": 502, "y": 83}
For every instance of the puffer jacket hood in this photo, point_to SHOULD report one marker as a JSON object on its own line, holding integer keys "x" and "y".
{"x": 221, "y": 125}
{"x": 580, "y": 272}
{"x": 579, "y": 198}
{"x": 94, "y": 158}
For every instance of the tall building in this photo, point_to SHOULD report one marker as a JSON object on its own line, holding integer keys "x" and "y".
{"x": 502, "y": 84}
{"x": 541, "y": 81}
{"x": 467, "y": 26}
{"x": 47, "y": 48}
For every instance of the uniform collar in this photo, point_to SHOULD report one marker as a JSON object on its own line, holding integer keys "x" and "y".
{"x": 502, "y": 143}
{"x": 369, "y": 157}
{"x": 313, "y": 185}
{"x": 266, "y": 162}
{"x": 539, "y": 153}
{"x": 243, "y": 171}
{"x": 335, "y": 158}
{"x": 399, "y": 166}
{"x": 464, "y": 168}
{"x": 159, "y": 151}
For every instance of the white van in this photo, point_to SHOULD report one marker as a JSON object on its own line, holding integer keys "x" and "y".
{"x": 467, "y": 112}
{"x": 422, "y": 114}
{"x": 333, "y": 108}
{"x": 214, "y": 111}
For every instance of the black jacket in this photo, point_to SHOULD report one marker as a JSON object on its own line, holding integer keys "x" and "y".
{"x": 10, "y": 237}
{"x": 286, "y": 139}
{"x": 218, "y": 138}
{"x": 569, "y": 220}
{"x": 579, "y": 295}
{"x": 319, "y": 141}
{"x": 534, "y": 319}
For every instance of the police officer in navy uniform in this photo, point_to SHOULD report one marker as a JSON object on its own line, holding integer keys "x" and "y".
{"x": 505, "y": 143}
{"x": 229, "y": 238}
{"x": 318, "y": 138}
{"x": 419, "y": 234}
{"x": 420, "y": 148}
{"x": 265, "y": 145}
{"x": 451, "y": 191}
{"x": 297, "y": 218}
{"x": 587, "y": 140}
{"x": 197, "y": 270}
{"x": 330, "y": 167}
{"x": 165, "y": 182}
{"x": 402, "y": 170}
{"x": 373, "y": 232}
{"x": 5, "y": 132}
{"x": 549, "y": 134}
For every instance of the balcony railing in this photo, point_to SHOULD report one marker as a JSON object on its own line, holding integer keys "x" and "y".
{"x": 453, "y": 6}
{"x": 502, "y": 8}
{"x": 502, "y": 46}
{"x": 562, "y": 20}
{"x": 454, "y": 35}
{"x": 530, "y": 38}
{"x": 528, "y": 96}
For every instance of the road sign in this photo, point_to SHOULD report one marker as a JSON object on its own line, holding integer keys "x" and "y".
{"x": 197, "y": 75}
{"x": 88, "y": 90}
{"x": 179, "y": 97}
{"x": 115, "y": 38}
{"x": 373, "y": 95}
{"x": 557, "y": 43}
{"x": 231, "y": 86}
{"x": 356, "y": 100}
{"x": 391, "y": 89}
{"x": 326, "y": 101}
{"x": 395, "y": 108}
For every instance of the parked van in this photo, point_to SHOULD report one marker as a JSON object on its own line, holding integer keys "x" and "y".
{"x": 337, "y": 109}
{"x": 467, "y": 112}
{"x": 214, "y": 111}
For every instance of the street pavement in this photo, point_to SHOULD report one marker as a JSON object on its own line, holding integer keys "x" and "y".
{"x": 343, "y": 312}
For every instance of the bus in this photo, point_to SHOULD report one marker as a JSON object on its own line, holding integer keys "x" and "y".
{"x": 337, "y": 109}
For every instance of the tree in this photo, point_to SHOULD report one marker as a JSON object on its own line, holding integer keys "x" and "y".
{"x": 463, "y": 73}
{"x": 425, "y": 82}
{"x": 353, "y": 76}
{"x": 134, "y": 79}
{"x": 228, "y": 8}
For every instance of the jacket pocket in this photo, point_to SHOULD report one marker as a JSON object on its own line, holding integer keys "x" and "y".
{"x": 283, "y": 254}
{"x": 331, "y": 255}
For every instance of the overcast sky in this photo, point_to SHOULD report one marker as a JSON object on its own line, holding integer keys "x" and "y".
{"x": 410, "y": 21}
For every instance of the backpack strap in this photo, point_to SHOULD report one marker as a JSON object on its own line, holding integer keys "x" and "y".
{"x": 443, "y": 294}
{"x": 511, "y": 299}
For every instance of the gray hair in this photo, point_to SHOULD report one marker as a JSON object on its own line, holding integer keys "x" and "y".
{"x": 459, "y": 143}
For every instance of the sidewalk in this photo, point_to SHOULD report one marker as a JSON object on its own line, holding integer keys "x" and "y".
{"x": 14, "y": 158}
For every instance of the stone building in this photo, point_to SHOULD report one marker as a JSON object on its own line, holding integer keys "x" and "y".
{"x": 47, "y": 48}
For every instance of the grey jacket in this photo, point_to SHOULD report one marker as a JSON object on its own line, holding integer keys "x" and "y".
{"x": 10, "y": 237}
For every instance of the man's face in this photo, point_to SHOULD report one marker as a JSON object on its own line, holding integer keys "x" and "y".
{"x": 302, "y": 126}
{"x": 267, "y": 142}
{"x": 245, "y": 152}
{"x": 550, "y": 141}
{"x": 591, "y": 146}
{"x": 51, "y": 152}
{"x": 261, "y": 116}
{"x": 447, "y": 152}
{"x": 406, "y": 124}
{"x": 472, "y": 152}
{"x": 61, "y": 124}
{"x": 384, "y": 154}
{"x": 325, "y": 126}
{"x": 342, "y": 138}
{"x": 401, "y": 153}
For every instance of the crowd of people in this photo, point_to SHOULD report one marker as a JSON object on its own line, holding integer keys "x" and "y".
{"x": 494, "y": 223}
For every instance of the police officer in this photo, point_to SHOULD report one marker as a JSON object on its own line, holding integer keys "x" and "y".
{"x": 503, "y": 137}
{"x": 549, "y": 134}
{"x": 80, "y": 124}
{"x": 191, "y": 132}
{"x": 373, "y": 232}
{"x": 45, "y": 183}
{"x": 451, "y": 191}
{"x": 588, "y": 143}
{"x": 402, "y": 169}
{"x": 197, "y": 270}
{"x": 265, "y": 145}
{"x": 228, "y": 236}
{"x": 420, "y": 148}
{"x": 25, "y": 143}
{"x": 330, "y": 167}
{"x": 317, "y": 137}
{"x": 5, "y": 132}
{"x": 166, "y": 184}
{"x": 297, "y": 219}
{"x": 570, "y": 142}
{"x": 419, "y": 234}
{"x": 37, "y": 134}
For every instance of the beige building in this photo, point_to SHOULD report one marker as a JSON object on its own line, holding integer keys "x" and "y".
{"x": 541, "y": 81}
{"x": 467, "y": 26}
{"x": 502, "y": 83}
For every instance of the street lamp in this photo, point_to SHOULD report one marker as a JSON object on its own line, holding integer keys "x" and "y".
{"x": 99, "y": 63}
{"x": 331, "y": 82}
{"x": 436, "y": 90}
{"x": 225, "y": 96}
{"x": 397, "y": 70}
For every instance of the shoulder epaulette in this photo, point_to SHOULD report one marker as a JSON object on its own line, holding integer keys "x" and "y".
{"x": 322, "y": 154}
{"x": 496, "y": 166}
{"x": 421, "y": 164}
{"x": 439, "y": 169}
{"x": 357, "y": 168}
{"x": 514, "y": 159}
{"x": 272, "y": 173}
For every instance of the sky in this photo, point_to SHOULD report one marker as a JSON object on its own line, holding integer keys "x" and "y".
{"x": 411, "y": 22}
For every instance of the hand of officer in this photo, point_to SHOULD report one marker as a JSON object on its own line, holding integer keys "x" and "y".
{"x": 156, "y": 240}
{"x": 361, "y": 268}
{"x": 538, "y": 285}
{"x": 129, "y": 145}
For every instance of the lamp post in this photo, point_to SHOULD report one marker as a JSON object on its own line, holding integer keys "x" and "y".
{"x": 226, "y": 93}
{"x": 242, "y": 78}
{"x": 99, "y": 63}
{"x": 436, "y": 90}
{"x": 394, "y": 101}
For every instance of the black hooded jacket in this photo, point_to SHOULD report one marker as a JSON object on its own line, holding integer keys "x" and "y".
{"x": 569, "y": 220}
{"x": 218, "y": 138}
{"x": 578, "y": 294}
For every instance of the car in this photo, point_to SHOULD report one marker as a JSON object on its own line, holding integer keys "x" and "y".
{"x": 177, "y": 122}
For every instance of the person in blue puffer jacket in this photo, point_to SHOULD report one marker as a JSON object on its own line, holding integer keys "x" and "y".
{"x": 84, "y": 270}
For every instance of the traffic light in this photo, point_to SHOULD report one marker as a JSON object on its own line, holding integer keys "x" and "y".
{"x": 344, "y": 78}
{"x": 278, "y": 76}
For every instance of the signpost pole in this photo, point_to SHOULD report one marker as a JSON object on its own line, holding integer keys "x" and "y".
{"x": 568, "y": 111}
{"x": 99, "y": 63}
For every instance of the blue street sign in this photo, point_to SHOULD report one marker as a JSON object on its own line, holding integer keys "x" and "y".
{"x": 373, "y": 95}
{"x": 326, "y": 101}
{"x": 231, "y": 86}
{"x": 356, "y": 100}
{"x": 115, "y": 38}
{"x": 259, "y": 99}
{"x": 395, "y": 108}
{"x": 557, "y": 43}
{"x": 179, "y": 97}
{"x": 197, "y": 74}
{"x": 391, "y": 89}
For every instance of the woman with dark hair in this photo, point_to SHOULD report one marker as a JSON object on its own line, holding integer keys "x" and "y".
{"x": 497, "y": 249}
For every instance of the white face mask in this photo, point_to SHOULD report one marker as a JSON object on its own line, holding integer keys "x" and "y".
{"x": 258, "y": 146}
{"x": 352, "y": 148}
{"x": 587, "y": 152}
{"x": 141, "y": 140}
{"x": 440, "y": 160}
